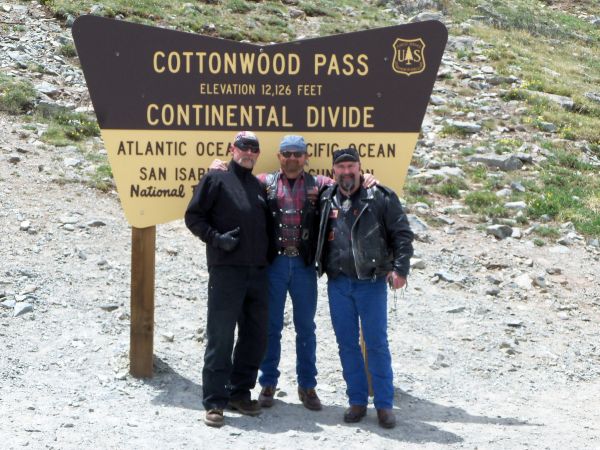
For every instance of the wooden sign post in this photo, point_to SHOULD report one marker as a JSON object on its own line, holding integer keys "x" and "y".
{"x": 143, "y": 242}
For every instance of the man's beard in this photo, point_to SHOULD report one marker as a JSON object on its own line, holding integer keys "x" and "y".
{"x": 247, "y": 162}
{"x": 347, "y": 182}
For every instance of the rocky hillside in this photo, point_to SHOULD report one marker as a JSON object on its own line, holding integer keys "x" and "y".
{"x": 495, "y": 340}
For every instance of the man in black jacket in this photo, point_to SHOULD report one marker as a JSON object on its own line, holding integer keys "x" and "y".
{"x": 364, "y": 241}
{"x": 229, "y": 213}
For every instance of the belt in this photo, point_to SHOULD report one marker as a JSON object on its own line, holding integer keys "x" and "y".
{"x": 289, "y": 251}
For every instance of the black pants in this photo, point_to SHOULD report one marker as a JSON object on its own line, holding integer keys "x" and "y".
{"x": 236, "y": 294}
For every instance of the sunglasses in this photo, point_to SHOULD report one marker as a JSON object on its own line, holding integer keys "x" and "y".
{"x": 247, "y": 147}
{"x": 289, "y": 154}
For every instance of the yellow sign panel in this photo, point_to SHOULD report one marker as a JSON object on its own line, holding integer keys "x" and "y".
{"x": 155, "y": 175}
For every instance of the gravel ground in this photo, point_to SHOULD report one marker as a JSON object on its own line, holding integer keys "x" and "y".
{"x": 494, "y": 343}
{"x": 519, "y": 369}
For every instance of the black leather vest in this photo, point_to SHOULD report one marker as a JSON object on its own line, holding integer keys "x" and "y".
{"x": 309, "y": 221}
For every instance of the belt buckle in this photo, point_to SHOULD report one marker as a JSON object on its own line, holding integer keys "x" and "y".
{"x": 291, "y": 251}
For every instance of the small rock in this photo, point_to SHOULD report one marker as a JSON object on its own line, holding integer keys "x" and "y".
{"x": 449, "y": 277}
{"x": 72, "y": 162}
{"x": 417, "y": 263}
{"x": 95, "y": 223}
{"x": 109, "y": 307}
{"x": 456, "y": 310}
{"x": 466, "y": 127}
{"x": 547, "y": 126}
{"x": 517, "y": 186}
{"x": 539, "y": 281}
{"x": 9, "y": 304}
{"x": 516, "y": 205}
{"x": 72, "y": 220}
{"x": 439, "y": 362}
{"x": 593, "y": 96}
{"x": 506, "y": 192}
{"x": 499, "y": 231}
{"x": 437, "y": 100}
{"x": 14, "y": 159}
{"x": 25, "y": 225}
{"x": 562, "y": 101}
{"x": 22, "y": 308}
{"x": 296, "y": 13}
{"x": 523, "y": 281}
{"x": 492, "y": 291}
{"x": 427, "y": 15}
{"x": 168, "y": 337}
{"x": 503, "y": 162}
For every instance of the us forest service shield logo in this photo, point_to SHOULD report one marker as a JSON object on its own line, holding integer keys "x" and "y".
{"x": 409, "y": 56}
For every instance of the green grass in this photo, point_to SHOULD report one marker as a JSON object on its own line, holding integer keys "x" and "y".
{"x": 68, "y": 50}
{"x": 486, "y": 204}
{"x": 453, "y": 130}
{"x": 567, "y": 190}
{"x": 68, "y": 127}
{"x": 16, "y": 96}
{"x": 102, "y": 178}
{"x": 451, "y": 187}
{"x": 257, "y": 21}
{"x": 539, "y": 242}
{"x": 547, "y": 232}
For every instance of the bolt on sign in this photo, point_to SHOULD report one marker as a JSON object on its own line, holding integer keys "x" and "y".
{"x": 169, "y": 102}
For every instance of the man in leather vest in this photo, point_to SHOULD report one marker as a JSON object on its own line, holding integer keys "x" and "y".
{"x": 364, "y": 241}
{"x": 292, "y": 195}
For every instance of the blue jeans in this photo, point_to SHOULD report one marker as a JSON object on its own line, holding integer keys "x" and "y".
{"x": 351, "y": 300}
{"x": 290, "y": 274}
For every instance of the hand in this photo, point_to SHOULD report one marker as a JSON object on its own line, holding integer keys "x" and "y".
{"x": 369, "y": 180}
{"x": 217, "y": 164}
{"x": 395, "y": 281}
{"x": 228, "y": 241}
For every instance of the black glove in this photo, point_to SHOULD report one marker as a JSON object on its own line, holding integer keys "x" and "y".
{"x": 227, "y": 241}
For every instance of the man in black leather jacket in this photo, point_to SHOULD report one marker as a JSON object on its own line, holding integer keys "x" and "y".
{"x": 364, "y": 241}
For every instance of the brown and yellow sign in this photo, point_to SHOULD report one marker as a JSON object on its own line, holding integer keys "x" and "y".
{"x": 168, "y": 102}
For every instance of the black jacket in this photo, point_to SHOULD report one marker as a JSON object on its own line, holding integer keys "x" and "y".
{"x": 224, "y": 200}
{"x": 381, "y": 236}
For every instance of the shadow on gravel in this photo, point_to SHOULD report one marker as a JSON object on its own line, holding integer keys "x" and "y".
{"x": 288, "y": 418}
{"x": 174, "y": 390}
{"x": 416, "y": 413}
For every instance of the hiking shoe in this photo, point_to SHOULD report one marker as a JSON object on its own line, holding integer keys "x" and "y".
{"x": 245, "y": 406}
{"x": 386, "y": 418}
{"x": 265, "y": 398}
{"x": 214, "y": 418}
{"x": 355, "y": 413}
{"x": 309, "y": 399}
